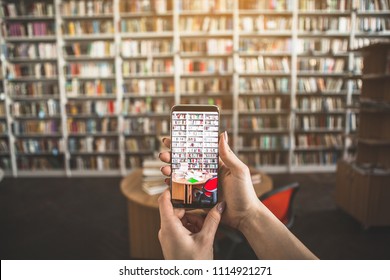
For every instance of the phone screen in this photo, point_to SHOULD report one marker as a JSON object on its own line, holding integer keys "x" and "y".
{"x": 194, "y": 155}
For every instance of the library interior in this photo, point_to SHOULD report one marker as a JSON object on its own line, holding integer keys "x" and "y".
{"x": 86, "y": 90}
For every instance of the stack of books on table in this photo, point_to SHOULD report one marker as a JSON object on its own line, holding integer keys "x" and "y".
{"x": 153, "y": 181}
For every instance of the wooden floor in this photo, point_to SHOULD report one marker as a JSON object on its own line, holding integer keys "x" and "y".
{"x": 85, "y": 218}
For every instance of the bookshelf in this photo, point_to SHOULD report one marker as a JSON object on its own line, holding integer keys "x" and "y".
{"x": 86, "y": 86}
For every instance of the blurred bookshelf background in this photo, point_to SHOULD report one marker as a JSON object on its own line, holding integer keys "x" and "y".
{"x": 87, "y": 86}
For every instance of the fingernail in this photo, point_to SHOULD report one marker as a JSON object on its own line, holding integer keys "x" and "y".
{"x": 159, "y": 154}
{"x": 226, "y": 137}
{"x": 166, "y": 180}
{"x": 163, "y": 140}
{"x": 221, "y": 207}
{"x": 161, "y": 168}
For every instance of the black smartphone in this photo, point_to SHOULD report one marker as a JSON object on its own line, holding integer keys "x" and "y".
{"x": 194, "y": 155}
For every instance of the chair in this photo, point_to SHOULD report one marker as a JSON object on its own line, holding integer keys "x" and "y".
{"x": 279, "y": 201}
{"x": 208, "y": 193}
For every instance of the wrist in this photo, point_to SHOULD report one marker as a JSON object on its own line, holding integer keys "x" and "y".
{"x": 256, "y": 215}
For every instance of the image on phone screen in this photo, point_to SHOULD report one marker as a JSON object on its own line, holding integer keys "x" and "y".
{"x": 194, "y": 180}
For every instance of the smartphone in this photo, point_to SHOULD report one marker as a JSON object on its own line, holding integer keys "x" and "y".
{"x": 194, "y": 155}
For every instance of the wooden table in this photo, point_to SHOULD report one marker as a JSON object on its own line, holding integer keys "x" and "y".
{"x": 183, "y": 188}
{"x": 144, "y": 217}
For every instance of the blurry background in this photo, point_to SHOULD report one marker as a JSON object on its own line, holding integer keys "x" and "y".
{"x": 86, "y": 88}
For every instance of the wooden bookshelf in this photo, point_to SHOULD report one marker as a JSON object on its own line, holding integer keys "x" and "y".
{"x": 282, "y": 72}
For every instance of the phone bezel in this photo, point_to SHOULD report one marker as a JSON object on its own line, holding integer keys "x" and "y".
{"x": 195, "y": 108}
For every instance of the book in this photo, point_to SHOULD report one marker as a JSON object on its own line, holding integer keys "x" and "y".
{"x": 154, "y": 187}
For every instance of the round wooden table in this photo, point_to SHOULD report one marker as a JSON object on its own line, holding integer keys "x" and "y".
{"x": 144, "y": 217}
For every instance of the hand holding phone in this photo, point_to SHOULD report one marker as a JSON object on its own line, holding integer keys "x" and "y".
{"x": 194, "y": 154}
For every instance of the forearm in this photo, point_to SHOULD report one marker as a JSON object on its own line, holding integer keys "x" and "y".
{"x": 270, "y": 239}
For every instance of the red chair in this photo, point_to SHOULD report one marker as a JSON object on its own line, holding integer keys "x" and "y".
{"x": 279, "y": 201}
{"x": 208, "y": 194}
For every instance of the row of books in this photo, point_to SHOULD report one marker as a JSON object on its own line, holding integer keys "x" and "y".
{"x": 209, "y": 46}
{"x": 89, "y": 69}
{"x": 324, "y": 24}
{"x": 332, "y": 5}
{"x": 205, "y": 23}
{"x": 146, "y": 24}
{"x": 322, "y": 46}
{"x": 206, "y": 6}
{"x": 4, "y": 146}
{"x": 143, "y": 125}
{"x": 265, "y": 23}
{"x": 32, "y": 127}
{"x": 158, "y": 6}
{"x": 3, "y": 127}
{"x": 94, "y": 163}
{"x": 273, "y": 5}
{"x": 316, "y": 158}
{"x": 132, "y": 48}
{"x": 103, "y": 125}
{"x": 217, "y": 65}
{"x": 97, "y": 87}
{"x": 318, "y": 140}
{"x": 222, "y": 103}
{"x": 91, "y": 49}
{"x": 264, "y": 158}
{"x": 329, "y": 6}
{"x": 29, "y": 29}
{"x": 148, "y": 66}
{"x": 264, "y": 142}
{"x": 267, "y": 85}
{"x": 36, "y": 109}
{"x": 320, "y": 84}
{"x": 263, "y": 103}
{"x": 93, "y": 144}
{"x": 83, "y": 27}
{"x": 31, "y": 50}
{"x": 100, "y": 108}
{"x": 36, "y": 146}
{"x": 26, "y": 8}
{"x": 259, "y": 123}
{"x": 309, "y": 122}
{"x": 323, "y": 65}
{"x": 38, "y": 70}
{"x": 40, "y": 163}
{"x": 142, "y": 106}
{"x": 373, "y": 24}
{"x": 372, "y": 5}
{"x": 33, "y": 89}
{"x": 2, "y": 109}
{"x": 87, "y": 8}
{"x": 315, "y": 104}
{"x": 206, "y": 85}
{"x": 260, "y": 63}
{"x": 253, "y": 45}
{"x": 149, "y": 87}
{"x": 146, "y": 144}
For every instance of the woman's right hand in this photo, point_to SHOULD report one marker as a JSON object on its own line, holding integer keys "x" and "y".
{"x": 235, "y": 181}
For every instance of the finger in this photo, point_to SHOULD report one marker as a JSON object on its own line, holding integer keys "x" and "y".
{"x": 167, "y": 142}
{"x": 228, "y": 157}
{"x": 165, "y": 207}
{"x": 211, "y": 222}
{"x": 167, "y": 181}
{"x": 166, "y": 170}
{"x": 179, "y": 212}
{"x": 165, "y": 157}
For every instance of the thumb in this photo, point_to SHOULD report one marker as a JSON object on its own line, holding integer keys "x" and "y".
{"x": 227, "y": 155}
{"x": 211, "y": 222}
